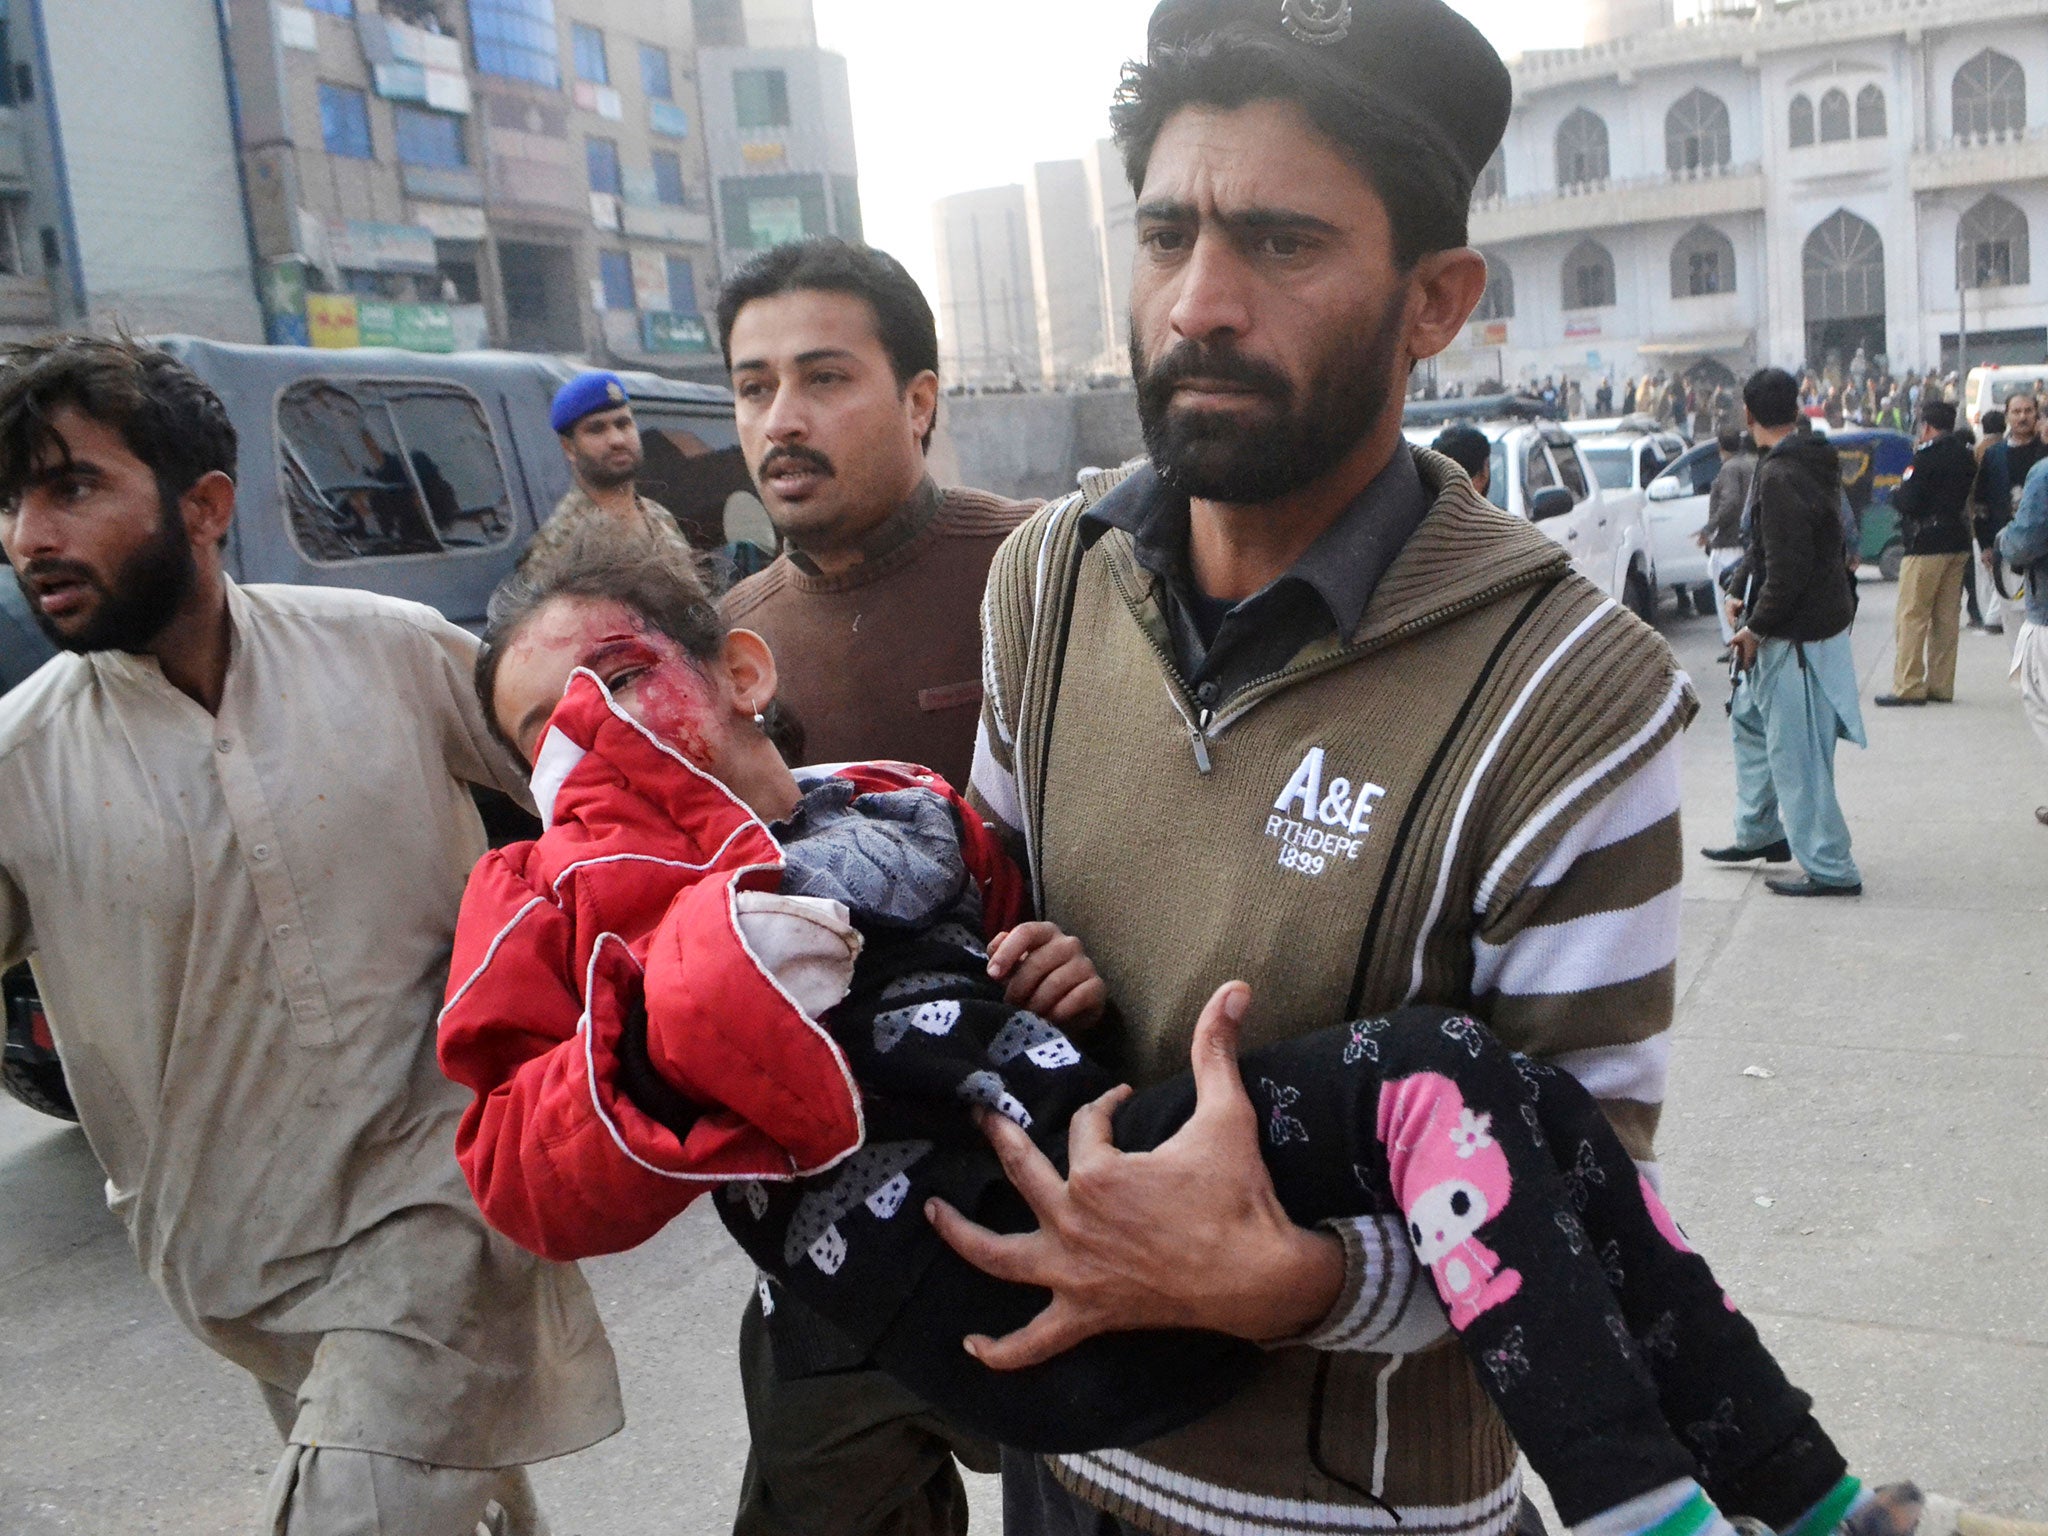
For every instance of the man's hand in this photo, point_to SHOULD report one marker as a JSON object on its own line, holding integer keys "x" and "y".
{"x": 1189, "y": 1235}
{"x": 1989, "y": 557}
{"x": 1745, "y": 645}
{"x": 1049, "y": 974}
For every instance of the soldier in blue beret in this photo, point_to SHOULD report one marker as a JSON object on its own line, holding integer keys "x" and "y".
{"x": 594, "y": 418}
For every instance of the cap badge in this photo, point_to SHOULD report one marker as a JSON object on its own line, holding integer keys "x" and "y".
{"x": 1316, "y": 21}
{"x": 613, "y": 392}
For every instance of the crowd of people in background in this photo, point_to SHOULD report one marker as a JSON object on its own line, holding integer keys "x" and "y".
{"x": 1858, "y": 392}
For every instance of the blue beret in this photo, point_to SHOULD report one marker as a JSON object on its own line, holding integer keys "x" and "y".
{"x": 585, "y": 395}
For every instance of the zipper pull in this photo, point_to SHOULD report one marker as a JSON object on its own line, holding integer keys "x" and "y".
{"x": 1205, "y": 697}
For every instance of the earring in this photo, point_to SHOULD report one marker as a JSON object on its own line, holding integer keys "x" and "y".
{"x": 760, "y": 720}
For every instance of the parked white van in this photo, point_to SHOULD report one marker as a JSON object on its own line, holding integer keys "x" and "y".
{"x": 1538, "y": 473}
{"x": 1989, "y": 387}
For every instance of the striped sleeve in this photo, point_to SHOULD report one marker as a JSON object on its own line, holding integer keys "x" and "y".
{"x": 1388, "y": 1306}
{"x": 1579, "y": 965}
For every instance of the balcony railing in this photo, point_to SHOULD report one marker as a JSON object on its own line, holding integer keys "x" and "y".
{"x": 1616, "y": 184}
{"x": 1981, "y": 159}
{"x": 1591, "y": 205}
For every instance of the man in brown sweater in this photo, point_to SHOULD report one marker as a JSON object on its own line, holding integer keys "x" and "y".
{"x": 873, "y": 612}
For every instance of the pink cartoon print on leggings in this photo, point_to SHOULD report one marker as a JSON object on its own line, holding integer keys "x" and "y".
{"x": 1451, "y": 1178}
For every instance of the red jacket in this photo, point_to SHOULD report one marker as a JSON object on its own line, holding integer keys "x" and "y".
{"x": 645, "y": 892}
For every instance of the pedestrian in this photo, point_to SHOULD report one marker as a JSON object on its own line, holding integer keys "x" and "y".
{"x": 1603, "y": 397}
{"x": 2024, "y": 543}
{"x": 1628, "y": 397}
{"x": 1217, "y": 762}
{"x": 2012, "y": 449}
{"x": 1727, "y": 504}
{"x": 601, "y": 441}
{"x": 1932, "y": 504}
{"x": 238, "y": 821}
{"x": 1795, "y": 690}
{"x": 874, "y": 611}
{"x": 875, "y": 602}
{"x": 1471, "y": 450}
{"x": 658, "y": 848}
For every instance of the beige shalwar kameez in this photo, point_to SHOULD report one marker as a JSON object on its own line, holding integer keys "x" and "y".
{"x": 241, "y": 926}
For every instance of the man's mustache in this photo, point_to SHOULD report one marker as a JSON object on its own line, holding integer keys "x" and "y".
{"x": 794, "y": 457}
{"x": 1193, "y": 360}
{"x": 54, "y": 570}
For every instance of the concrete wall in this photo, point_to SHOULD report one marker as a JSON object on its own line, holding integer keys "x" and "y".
{"x": 139, "y": 92}
{"x": 1033, "y": 445}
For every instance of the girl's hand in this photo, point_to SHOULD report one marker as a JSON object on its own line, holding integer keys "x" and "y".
{"x": 1047, "y": 972}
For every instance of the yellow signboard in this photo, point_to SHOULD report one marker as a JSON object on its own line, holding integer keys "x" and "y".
{"x": 334, "y": 320}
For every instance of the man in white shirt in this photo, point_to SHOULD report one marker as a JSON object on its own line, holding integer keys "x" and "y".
{"x": 235, "y": 825}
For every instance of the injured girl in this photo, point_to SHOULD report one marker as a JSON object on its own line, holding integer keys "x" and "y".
{"x": 713, "y": 974}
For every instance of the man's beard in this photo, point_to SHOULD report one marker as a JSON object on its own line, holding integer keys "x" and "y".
{"x": 145, "y": 594}
{"x": 595, "y": 474}
{"x": 1229, "y": 457}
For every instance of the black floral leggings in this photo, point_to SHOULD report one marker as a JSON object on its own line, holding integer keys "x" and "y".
{"x": 1614, "y": 1356}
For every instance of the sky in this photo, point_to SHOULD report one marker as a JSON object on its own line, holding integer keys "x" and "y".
{"x": 951, "y": 95}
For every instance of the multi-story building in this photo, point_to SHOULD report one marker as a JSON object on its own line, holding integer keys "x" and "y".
{"x": 451, "y": 173}
{"x": 1035, "y": 280}
{"x": 988, "y": 304}
{"x": 778, "y": 125}
{"x": 1788, "y": 185}
{"x": 1066, "y": 271}
{"x": 1113, "y": 207}
{"x": 120, "y": 195}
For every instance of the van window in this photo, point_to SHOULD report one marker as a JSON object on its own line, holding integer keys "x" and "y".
{"x": 692, "y": 469}
{"x": 1497, "y": 474}
{"x": 1697, "y": 469}
{"x": 1612, "y": 467}
{"x": 380, "y": 467}
{"x": 1570, "y": 470}
{"x": 1536, "y": 471}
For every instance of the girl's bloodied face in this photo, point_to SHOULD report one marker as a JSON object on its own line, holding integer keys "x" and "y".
{"x": 687, "y": 704}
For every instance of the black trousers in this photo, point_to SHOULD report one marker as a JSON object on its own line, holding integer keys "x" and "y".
{"x": 1611, "y": 1352}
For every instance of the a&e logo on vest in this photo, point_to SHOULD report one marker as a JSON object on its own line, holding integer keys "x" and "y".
{"x": 1316, "y": 823}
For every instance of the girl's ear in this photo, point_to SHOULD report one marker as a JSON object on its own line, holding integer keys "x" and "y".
{"x": 750, "y": 668}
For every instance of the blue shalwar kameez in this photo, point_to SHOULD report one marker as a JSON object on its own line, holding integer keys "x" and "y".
{"x": 1789, "y": 711}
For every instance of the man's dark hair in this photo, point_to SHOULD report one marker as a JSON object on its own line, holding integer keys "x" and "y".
{"x": 1465, "y": 446}
{"x": 1995, "y": 423}
{"x": 1938, "y": 414}
{"x": 1772, "y": 397}
{"x": 1729, "y": 440}
{"x": 166, "y": 414}
{"x": 903, "y": 317}
{"x": 1407, "y": 159}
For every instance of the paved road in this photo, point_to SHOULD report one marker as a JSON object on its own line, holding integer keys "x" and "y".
{"x": 1879, "y": 1202}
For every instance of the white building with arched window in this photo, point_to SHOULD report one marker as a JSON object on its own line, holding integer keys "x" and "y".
{"x": 1785, "y": 187}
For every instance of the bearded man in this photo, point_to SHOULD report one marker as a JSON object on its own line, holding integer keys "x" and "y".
{"x": 1291, "y": 703}
{"x": 601, "y": 441}
{"x": 235, "y": 825}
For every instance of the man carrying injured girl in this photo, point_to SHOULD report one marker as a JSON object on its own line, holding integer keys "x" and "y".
{"x": 802, "y": 989}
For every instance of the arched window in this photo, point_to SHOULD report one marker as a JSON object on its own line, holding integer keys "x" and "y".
{"x": 1588, "y": 276}
{"x": 1696, "y": 134}
{"x": 1834, "y": 116}
{"x": 1493, "y": 180}
{"x": 1990, "y": 97}
{"x": 1802, "y": 121}
{"x": 1870, "y": 122}
{"x": 1844, "y": 269}
{"x": 1581, "y": 149}
{"x": 1702, "y": 263}
{"x": 1991, "y": 246}
{"x": 1498, "y": 302}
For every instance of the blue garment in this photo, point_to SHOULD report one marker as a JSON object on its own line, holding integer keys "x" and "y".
{"x": 2024, "y": 542}
{"x": 1790, "y": 710}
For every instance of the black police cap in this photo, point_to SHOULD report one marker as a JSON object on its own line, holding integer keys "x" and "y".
{"x": 1421, "y": 51}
